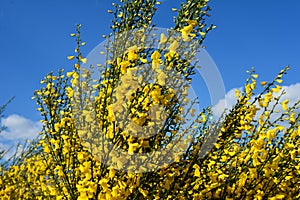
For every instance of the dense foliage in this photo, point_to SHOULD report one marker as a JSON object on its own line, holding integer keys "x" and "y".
{"x": 256, "y": 155}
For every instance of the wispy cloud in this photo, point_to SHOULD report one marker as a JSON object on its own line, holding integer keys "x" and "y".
{"x": 225, "y": 103}
{"x": 18, "y": 130}
{"x": 292, "y": 92}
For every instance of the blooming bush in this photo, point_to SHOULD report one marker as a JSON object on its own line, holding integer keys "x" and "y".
{"x": 255, "y": 155}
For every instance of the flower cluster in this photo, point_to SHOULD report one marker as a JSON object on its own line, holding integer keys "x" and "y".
{"x": 90, "y": 146}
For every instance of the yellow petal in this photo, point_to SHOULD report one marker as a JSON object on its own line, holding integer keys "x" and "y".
{"x": 76, "y": 66}
{"x": 284, "y": 104}
{"x": 263, "y": 83}
{"x": 143, "y": 60}
{"x": 237, "y": 93}
{"x": 156, "y": 55}
{"x": 195, "y": 166}
{"x": 120, "y": 15}
{"x": 83, "y": 60}
{"x": 163, "y": 38}
{"x": 173, "y": 46}
{"x": 71, "y": 57}
{"x": 69, "y": 74}
{"x": 277, "y": 89}
{"x": 192, "y": 22}
{"x": 197, "y": 173}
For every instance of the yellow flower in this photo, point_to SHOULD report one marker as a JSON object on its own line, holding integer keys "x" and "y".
{"x": 120, "y": 14}
{"x": 143, "y": 60}
{"x": 192, "y": 112}
{"x": 284, "y": 104}
{"x": 76, "y": 66}
{"x": 277, "y": 89}
{"x": 195, "y": 166}
{"x": 277, "y": 197}
{"x": 81, "y": 156}
{"x": 124, "y": 65}
{"x": 259, "y": 195}
{"x": 83, "y": 60}
{"x": 132, "y": 55}
{"x": 132, "y": 148}
{"x": 173, "y": 46}
{"x": 202, "y": 33}
{"x": 271, "y": 134}
{"x": 161, "y": 78}
{"x": 192, "y": 22}
{"x": 242, "y": 180}
{"x": 71, "y": 57}
{"x": 155, "y": 55}
{"x": 46, "y": 149}
{"x": 185, "y": 36}
{"x": 263, "y": 83}
{"x": 187, "y": 29}
{"x": 112, "y": 173}
{"x": 237, "y": 93}
{"x": 204, "y": 117}
{"x": 144, "y": 192}
{"x": 197, "y": 173}
{"x": 163, "y": 38}
{"x": 253, "y": 173}
{"x": 156, "y": 60}
{"x": 170, "y": 55}
{"x": 103, "y": 182}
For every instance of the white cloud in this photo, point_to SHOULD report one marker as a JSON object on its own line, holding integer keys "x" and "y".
{"x": 19, "y": 127}
{"x": 292, "y": 93}
{"x": 18, "y": 130}
{"x": 227, "y": 102}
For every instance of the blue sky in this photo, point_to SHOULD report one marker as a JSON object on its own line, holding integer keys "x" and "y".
{"x": 35, "y": 41}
